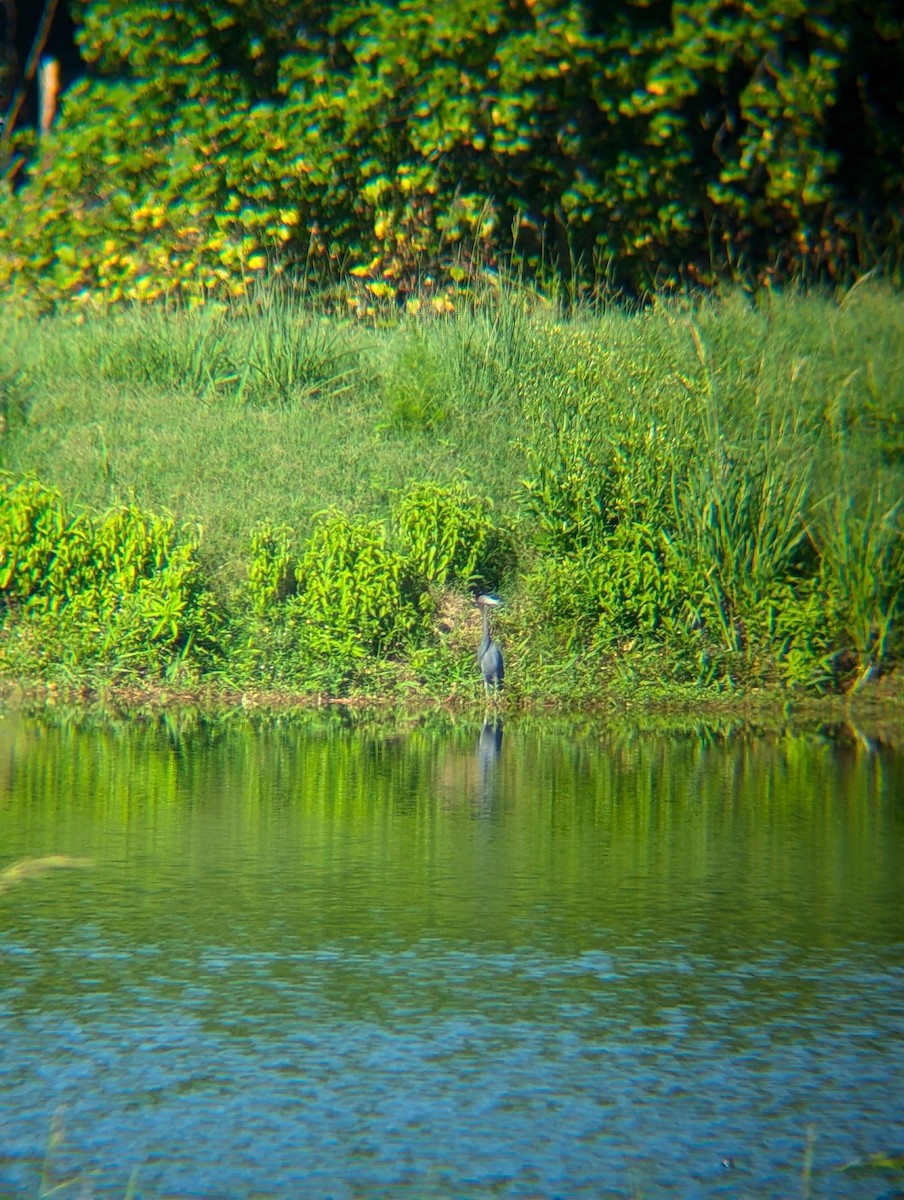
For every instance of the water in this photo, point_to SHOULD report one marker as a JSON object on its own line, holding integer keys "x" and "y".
{"x": 312, "y": 960}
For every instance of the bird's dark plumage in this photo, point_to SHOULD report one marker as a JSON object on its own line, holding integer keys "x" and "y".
{"x": 489, "y": 656}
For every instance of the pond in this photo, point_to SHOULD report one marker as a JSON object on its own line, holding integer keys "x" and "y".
{"x": 318, "y": 958}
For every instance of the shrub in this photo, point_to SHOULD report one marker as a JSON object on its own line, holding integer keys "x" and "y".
{"x": 272, "y": 570}
{"x": 356, "y": 595}
{"x": 408, "y": 143}
{"x": 449, "y": 537}
{"x": 124, "y": 589}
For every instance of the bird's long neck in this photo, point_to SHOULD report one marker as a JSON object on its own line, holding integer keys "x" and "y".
{"x": 485, "y": 640}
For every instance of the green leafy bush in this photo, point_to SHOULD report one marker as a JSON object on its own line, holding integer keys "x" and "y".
{"x": 631, "y": 584}
{"x": 610, "y": 427}
{"x": 124, "y": 589}
{"x": 741, "y": 519}
{"x": 568, "y": 494}
{"x": 271, "y": 572}
{"x": 327, "y": 615}
{"x": 356, "y": 595}
{"x": 33, "y": 523}
{"x": 795, "y": 629}
{"x": 400, "y": 146}
{"x": 449, "y": 536}
{"x": 690, "y": 511}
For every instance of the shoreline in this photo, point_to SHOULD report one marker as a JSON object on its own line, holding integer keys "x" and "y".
{"x": 867, "y": 717}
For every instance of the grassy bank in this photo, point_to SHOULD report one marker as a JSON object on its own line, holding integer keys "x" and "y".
{"x": 688, "y": 500}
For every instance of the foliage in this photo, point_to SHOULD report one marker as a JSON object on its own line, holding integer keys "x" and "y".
{"x": 320, "y": 616}
{"x": 415, "y": 386}
{"x": 435, "y": 374}
{"x": 740, "y": 517}
{"x": 609, "y": 423}
{"x": 266, "y": 352}
{"x": 289, "y": 353}
{"x": 185, "y": 352}
{"x": 400, "y": 148}
{"x": 449, "y": 535}
{"x": 124, "y": 590}
{"x": 695, "y": 494}
{"x": 356, "y": 596}
{"x": 861, "y": 554}
{"x": 327, "y": 615}
{"x": 698, "y": 511}
{"x": 271, "y": 572}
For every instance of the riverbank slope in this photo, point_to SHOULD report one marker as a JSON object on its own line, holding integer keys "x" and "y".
{"x": 688, "y": 503}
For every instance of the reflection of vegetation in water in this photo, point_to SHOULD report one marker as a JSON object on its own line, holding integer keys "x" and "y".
{"x": 65, "y": 1181}
{"x": 33, "y": 868}
{"x": 386, "y": 814}
{"x": 880, "y": 1163}
{"x": 72, "y": 1181}
{"x": 248, "y": 870}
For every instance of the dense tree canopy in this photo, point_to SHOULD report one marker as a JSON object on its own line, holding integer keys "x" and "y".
{"x": 656, "y": 141}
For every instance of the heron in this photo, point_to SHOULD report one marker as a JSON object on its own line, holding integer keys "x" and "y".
{"x": 489, "y": 656}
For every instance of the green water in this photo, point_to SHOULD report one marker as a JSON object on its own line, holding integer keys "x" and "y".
{"x": 318, "y": 959}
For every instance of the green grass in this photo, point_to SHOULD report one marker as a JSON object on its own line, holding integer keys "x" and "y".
{"x": 123, "y": 407}
{"x": 718, "y": 482}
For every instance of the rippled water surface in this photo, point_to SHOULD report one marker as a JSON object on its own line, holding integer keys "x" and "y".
{"x": 316, "y": 960}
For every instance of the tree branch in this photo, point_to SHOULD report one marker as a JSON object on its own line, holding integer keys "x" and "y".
{"x": 31, "y": 66}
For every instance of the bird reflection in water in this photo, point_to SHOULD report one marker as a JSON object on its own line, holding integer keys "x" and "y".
{"x": 489, "y": 747}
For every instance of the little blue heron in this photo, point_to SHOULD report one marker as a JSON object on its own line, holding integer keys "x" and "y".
{"x": 488, "y": 653}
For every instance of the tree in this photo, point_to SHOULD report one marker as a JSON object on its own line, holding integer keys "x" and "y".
{"x": 674, "y": 142}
